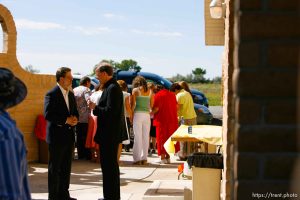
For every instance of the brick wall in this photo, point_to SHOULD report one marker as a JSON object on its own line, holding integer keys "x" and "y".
{"x": 266, "y": 61}
{"x": 25, "y": 113}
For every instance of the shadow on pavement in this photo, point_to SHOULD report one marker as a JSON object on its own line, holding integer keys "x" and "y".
{"x": 86, "y": 174}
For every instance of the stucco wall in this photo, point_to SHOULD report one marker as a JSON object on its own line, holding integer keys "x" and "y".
{"x": 228, "y": 104}
{"x": 25, "y": 113}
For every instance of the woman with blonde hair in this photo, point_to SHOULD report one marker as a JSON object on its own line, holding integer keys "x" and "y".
{"x": 142, "y": 101}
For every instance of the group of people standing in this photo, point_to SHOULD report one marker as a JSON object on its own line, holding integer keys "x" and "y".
{"x": 101, "y": 120}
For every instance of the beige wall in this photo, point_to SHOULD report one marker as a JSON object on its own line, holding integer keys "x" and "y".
{"x": 214, "y": 28}
{"x": 25, "y": 113}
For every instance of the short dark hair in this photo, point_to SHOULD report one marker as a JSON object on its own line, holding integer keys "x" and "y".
{"x": 61, "y": 72}
{"x": 84, "y": 80}
{"x": 158, "y": 88}
{"x": 105, "y": 67}
{"x": 175, "y": 86}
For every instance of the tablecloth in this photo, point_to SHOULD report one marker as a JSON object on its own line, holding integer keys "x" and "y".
{"x": 205, "y": 133}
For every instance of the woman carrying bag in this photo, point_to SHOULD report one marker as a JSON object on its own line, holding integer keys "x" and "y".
{"x": 127, "y": 115}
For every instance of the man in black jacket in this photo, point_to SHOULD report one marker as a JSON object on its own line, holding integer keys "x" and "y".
{"x": 61, "y": 114}
{"x": 110, "y": 113}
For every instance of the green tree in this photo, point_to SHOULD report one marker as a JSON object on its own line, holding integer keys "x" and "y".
{"x": 93, "y": 72}
{"x": 189, "y": 78}
{"x": 111, "y": 62}
{"x": 198, "y": 75}
{"x": 137, "y": 68}
{"x": 177, "y": 77}
{"x": 199, "y": 71}
{"x": 217, "y": 79}
{"x": 124, "y": 65}
{"x": 128, "y": 65}
{"x": 30, "y": 69}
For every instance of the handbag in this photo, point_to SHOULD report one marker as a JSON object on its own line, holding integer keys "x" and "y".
{"x": 128, "y": 140}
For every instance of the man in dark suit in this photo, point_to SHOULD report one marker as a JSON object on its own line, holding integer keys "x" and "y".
{"x": 110, "y": 113}
{"x": 62, "y": 116}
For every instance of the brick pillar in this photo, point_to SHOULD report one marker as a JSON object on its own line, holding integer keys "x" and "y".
{"x": 228, "y": 115}
{"x": 266, "y": 60}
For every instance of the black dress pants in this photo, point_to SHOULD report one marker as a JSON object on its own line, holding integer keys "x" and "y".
{"x": 81, "y": 133}
{"x": 110, "y": 170}
{"x": 59, "y": 170}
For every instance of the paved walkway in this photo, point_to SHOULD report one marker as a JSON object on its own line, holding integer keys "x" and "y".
{"x": 86, "y": 181}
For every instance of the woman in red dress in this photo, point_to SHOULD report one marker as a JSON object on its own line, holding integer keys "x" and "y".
{"x": 165, "y": 120}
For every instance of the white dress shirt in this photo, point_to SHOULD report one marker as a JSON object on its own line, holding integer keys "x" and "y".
{"x": 65, "y": 94}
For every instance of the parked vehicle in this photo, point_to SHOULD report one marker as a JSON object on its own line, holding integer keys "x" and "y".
{"x": 76, "y": 80}
{"x": 204, "y": 116}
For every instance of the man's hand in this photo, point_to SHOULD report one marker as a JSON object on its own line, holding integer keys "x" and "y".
{"x": 72, "y": 120}
{"x": 91, "y": 105}
{"x": 154, "y": 111}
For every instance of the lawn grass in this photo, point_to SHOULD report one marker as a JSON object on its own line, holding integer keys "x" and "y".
{"x": 212, "y": 91}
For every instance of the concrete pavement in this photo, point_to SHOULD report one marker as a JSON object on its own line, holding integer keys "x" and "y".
{"x": 86, "y": 181}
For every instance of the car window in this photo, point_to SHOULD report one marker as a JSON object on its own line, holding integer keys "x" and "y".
{"x": 197, "y": 99}
{"x": 151, "y": 81}
{"x": 76, "y": 81}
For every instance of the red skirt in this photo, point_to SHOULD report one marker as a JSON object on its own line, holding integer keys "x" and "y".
{"x": 92, "y": 128}
{"x": 162, "y": 135}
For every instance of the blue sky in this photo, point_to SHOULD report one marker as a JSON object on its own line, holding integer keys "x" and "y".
{"x": 164, "y": 36}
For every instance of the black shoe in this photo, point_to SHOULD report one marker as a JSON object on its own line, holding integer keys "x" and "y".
{"x": 181, "y": 158}
{"x": 127, "y": 148}
{"x": 149, "y": 152}
{"x": 71, "y": 198}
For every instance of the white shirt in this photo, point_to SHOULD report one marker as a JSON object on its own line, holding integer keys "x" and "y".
{"x": 65, "y": 94}
{"x": 95, "y": 97}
